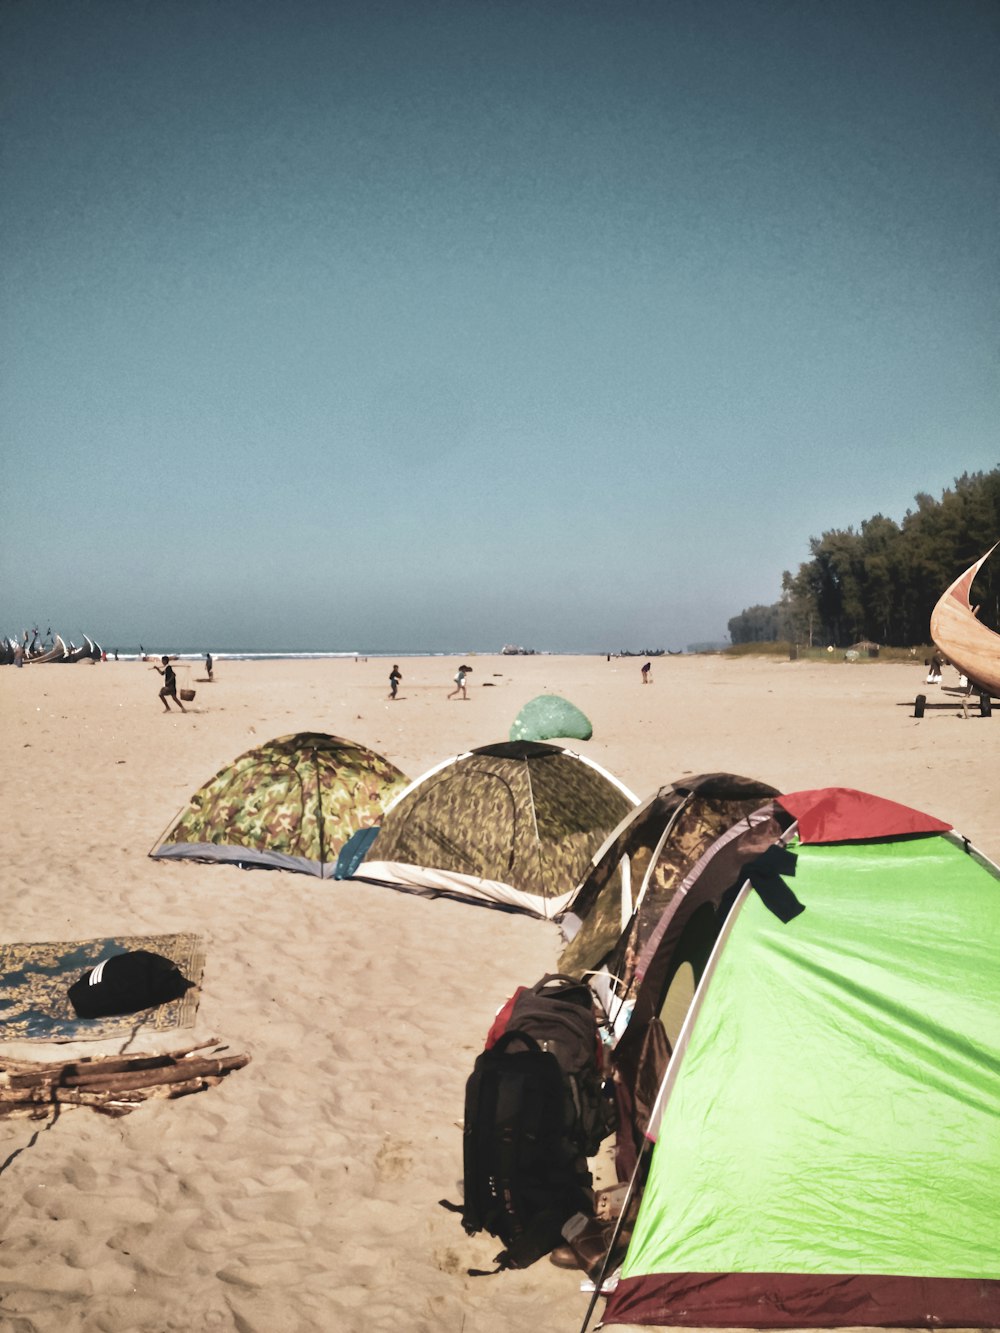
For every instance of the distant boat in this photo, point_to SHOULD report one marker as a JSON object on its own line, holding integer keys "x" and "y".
{"x": 969, "y": 645}
{"x": 54, "y": 654}
{"x": 58, "y": 650}
{"x": 88, "y": 651}
{"x": 75, "y": 653}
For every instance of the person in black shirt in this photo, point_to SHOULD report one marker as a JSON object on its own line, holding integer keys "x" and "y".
{"x": 169, "y": 690}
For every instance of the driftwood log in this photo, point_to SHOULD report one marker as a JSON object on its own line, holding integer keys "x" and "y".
{"x": 113, "y": 1085}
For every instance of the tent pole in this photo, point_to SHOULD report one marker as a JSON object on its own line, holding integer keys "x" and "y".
{"x": 319, "y": 815}
{"x": 629, "y": 926}
{"x": 668, "y": 1080}
{"x": 599, "y": 1280}
{"x": 543, "y": 887}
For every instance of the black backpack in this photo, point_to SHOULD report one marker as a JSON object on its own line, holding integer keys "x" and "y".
{"x": 524, "y": 1177}
{"x": 535, "y": 1110}
{"x": 126, "y": 983}
{"x": 558, "y": 1012}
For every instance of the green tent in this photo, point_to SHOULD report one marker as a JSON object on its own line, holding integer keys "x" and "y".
{"x": 549, "y": 716}
{"x": 512, "y": 824}
{"x": 827, "y": 1131}
{"x": 290, "y": 804}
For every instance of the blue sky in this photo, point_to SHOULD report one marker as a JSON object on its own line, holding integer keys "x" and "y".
{"x": 361, "y": 324}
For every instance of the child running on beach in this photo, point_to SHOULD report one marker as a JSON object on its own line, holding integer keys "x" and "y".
{"x": 169, "y": 690}
{"x": 460, "y": 676}
{"x": 395, "y": 676}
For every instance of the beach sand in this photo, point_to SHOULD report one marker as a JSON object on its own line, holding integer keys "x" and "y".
{"x": 302, "y": 1192}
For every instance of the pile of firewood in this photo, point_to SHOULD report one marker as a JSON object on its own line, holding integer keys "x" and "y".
{"x": 113, "y": 1085}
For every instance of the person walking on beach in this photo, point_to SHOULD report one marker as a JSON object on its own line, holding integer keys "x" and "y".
{"x": 460, "y": 676}
{"x": 646, "y": 669}
{"x": 208, "y": 664}
{"x": 169, "y": 690}
{"x": 395, "y": 676}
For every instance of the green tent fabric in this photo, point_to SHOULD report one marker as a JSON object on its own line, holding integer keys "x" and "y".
{"x": 828, "y": 1139}
{"x": 512, "y": 824}
{"x": 290, "y": 804}
{"x": 549, "y": 716}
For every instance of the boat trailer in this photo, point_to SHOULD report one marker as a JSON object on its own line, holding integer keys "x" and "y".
{"x": 984, "y": 698}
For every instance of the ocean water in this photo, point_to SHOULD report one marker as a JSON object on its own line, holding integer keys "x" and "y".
{"x": 187, "y": 654}
{"x": 248, "y": 655}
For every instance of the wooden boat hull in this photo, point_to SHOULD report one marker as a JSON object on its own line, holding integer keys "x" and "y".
{"x": 970, "y": 646}
{"x": 55, "y": 654}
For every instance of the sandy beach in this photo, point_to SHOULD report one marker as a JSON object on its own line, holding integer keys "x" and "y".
{"x": 302, "y": 1192}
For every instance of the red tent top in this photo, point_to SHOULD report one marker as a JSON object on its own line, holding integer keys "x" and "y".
{"x": 841, "y": 814}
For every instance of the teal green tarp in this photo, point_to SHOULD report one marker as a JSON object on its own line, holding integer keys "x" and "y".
{"x": 549, "y": 716}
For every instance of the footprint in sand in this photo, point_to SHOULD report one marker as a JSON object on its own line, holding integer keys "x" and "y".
{"x": 394, "y": 1159}
{"x": 449, "y": 1261}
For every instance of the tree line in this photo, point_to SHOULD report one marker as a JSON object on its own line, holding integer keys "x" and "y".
{"x": 880, "y": 582}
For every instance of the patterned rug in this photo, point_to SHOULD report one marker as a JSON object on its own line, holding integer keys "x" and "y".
{"x": 35, "y": 979}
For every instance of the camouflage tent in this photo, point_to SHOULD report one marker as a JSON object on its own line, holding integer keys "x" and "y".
{"x": 549, "y": 716}
{"x": 290, "y": 804}
{"x": 638, "y": 870}
{"x": 512, "y": 824}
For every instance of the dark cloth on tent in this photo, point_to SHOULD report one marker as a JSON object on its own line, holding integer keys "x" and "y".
{"x": 34, "y": 999}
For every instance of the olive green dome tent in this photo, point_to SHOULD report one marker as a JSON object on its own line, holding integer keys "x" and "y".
{"x": 289, "y": 804}
{"x": 512, "y": 824}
